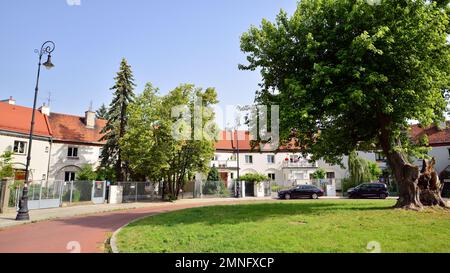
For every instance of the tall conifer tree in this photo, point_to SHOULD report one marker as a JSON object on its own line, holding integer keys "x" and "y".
{"x": 117, "y": 120}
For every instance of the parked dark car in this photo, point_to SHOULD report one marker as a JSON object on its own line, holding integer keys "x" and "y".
{"x": 369, "y": 190}
{"x": 301, "y": 191}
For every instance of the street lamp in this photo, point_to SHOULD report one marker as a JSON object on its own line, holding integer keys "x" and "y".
{"x": 46, "y": 49}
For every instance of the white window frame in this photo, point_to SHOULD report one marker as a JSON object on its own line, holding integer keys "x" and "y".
{"x": 71, "y": 154}
{"x": 271, "y": 160}
{"x": 18, "y": 152}
{"x": 71, "y": 176}
{"x": 248, "y": 159}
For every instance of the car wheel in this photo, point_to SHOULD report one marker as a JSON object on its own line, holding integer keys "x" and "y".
{"x": 383, "y": 196}
{"x": 314, "y": 196}
{"x": 287, "y": 196}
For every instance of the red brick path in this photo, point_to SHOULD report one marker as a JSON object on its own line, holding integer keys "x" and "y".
{"x": 89, "y": 231}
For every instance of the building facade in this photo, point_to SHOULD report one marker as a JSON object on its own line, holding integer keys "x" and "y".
{"x": 64, "y": 143}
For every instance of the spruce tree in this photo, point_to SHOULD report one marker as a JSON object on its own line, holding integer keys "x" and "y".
{"x": 117, "y": 119}
{"x": 102, "y": 112}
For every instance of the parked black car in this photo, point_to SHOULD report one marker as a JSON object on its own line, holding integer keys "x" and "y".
{"x": 301, "y": 191}
{"x": 369, "y": 190}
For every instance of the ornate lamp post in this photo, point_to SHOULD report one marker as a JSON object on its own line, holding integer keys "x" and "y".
{"x": 46, "y": 49}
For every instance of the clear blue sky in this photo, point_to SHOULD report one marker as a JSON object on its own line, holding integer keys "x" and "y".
{"x": 167, "y": 42}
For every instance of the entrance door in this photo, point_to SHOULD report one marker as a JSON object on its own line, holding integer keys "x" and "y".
{"x": 98, "y": 192}
{"x": 249, "y": 189}
{"x": 224, "y": 178}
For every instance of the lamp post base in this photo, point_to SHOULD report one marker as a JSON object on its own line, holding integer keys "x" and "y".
{"x": 22, "y": 214}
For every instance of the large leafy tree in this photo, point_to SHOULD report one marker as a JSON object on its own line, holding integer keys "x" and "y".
{"x": 117, "y": 120}
{"x": 152, "y": 145}
{"x": 6, "y": 168}
{"x": 349, "y": 75}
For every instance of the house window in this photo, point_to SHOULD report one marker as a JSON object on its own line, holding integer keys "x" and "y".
{"x": 249, "y": 159}
{"x": 233, "y": 158}
{"x": 448, "y": 152}
{"x": 270, "y": 159}
{"x": 330, "y": 175}
{"x": 232, "y": 175}
{"x": 20, "y": 147}
{"x": 72, "y": 152}
{"x": 47, "y": 149}
{"x": 271, "y": 176}
{"x": 215, "y": 158}
{"x": 69, "y": 176}
{"x": 380, "y": 157}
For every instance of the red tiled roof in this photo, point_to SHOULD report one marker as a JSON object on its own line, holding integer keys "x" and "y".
{"x": 16, "y": 118}
{"x": 436, "y": 136}
{"x": 72, "y": 128}
{"x": 226, "y": 142}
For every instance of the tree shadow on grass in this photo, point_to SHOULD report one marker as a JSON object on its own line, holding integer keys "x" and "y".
{"x": 244, "y": 213}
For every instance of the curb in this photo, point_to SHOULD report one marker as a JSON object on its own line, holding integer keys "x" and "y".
{"x": 112, "y": 240}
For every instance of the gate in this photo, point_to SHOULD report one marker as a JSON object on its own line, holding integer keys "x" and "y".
{"x": 42, "y": 194}
{"x": 139, "y": 191}
{"x": 98, "y": 192}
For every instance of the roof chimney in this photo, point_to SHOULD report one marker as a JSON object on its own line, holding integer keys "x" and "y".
{"x": 45, "y": 110}
{"x": 89, "y": 119}
{"x": 10, "y": 101}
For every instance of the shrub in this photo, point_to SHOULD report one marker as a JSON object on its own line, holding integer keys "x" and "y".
{"x": 254, "y": 178}
{"x": 214, "y": 187}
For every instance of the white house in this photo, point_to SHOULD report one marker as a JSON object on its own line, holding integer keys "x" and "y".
{"x": 14, "y": 133}
{"x": 62, "y": 143}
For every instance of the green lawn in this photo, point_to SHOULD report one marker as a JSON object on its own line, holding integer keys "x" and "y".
{"x": 292, "y": 226}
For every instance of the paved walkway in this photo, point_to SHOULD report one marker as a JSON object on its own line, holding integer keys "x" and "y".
{"x": 72, "y": 233}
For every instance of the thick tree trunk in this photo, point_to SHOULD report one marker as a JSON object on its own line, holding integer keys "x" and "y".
{"x": 406, "y": 176}
{"x": 430, "y": 185}
{"x": 415, "y": 189}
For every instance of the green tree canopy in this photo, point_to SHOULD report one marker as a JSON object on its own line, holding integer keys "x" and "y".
{"x": 161, "y": 143}
{"x": 319, "y": 174}
{"x": 6, "y": 168}
{"x": 349, "y": 75}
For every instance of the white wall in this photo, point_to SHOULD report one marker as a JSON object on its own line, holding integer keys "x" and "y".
{"x": 441, "y": 154}
{"x": 39, "y": 155}
{"x": 261, "y": 165}
{"x": 60, "y": 162}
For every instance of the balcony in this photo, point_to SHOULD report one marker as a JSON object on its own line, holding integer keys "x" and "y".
{"x": 299, "y": 164}
{"x": 224, "y": 164}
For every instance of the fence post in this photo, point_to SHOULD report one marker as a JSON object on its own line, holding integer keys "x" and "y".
{"x": 4, "y": 194}
{"x": 71, "y": 191}
{"x": 136, "y": 192}
{"x": 61, "y": 190}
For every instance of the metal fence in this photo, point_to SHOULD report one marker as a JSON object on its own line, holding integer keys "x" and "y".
{"x": 139, "y": 191}
{"x": 52, "y": 194}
